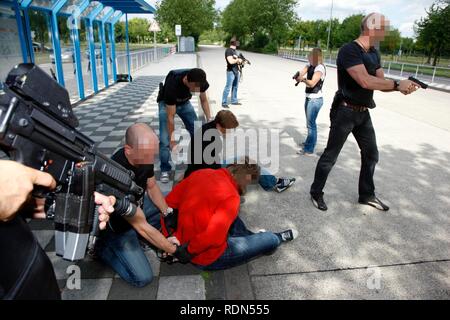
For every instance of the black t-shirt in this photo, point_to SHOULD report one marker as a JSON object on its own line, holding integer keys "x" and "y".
{"x": 351, "y": 55}
{"x": 175, "y": 92}
{"x": 230, "y": 52}
{"x": 141, "y": 174}
{"x": 198, "y": 162}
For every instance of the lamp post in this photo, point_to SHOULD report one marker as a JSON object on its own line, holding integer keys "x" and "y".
{"x": 329, "y": 27}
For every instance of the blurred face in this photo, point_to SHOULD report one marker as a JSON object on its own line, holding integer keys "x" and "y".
{"x": 313, "y": 58}
{"x": 193, "y": 86}
{"x": 243, "y": 181}
{"x": 377, "y": 28}
{"x": 221, "y": 129}
{"x": 143, "y": 153}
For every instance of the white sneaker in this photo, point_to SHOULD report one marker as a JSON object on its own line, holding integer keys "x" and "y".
{"x": 165, "y": 177}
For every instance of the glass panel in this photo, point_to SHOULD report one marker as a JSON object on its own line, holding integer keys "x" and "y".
{"x": 90, "y": 8}
{"x": 98, "y": 55}
{"x": 70, "y": 6}
{"x": 10, "y": 49}
{"x": 86, "y": 63}
{"x": 103, "y": 13}
{"x": 45, "y": 4}
{"x": 114, "y": 15}
{"x": 108, "y": 53}
{"x": 42, "y": 39}
{"x": 68, "y": 58}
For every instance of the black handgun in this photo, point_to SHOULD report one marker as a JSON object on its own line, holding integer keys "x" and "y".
{"x": 296, "y": 75}
{"x": 420, "y": 83}
{"x": 37, "y": 129}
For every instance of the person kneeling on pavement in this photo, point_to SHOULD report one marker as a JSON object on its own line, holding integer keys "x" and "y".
{"x": 120, "y": 245}
{"x": 207, "y": 146}
{"x": 207, "y": 225}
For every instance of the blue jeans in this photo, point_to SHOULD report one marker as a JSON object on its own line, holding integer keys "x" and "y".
{"x": 267, "y": 181}
{"x": 243, "y": 246}
{"x": 123, "y": 253}
{"x": 187, "y": 114}
{"x": 232, "y": 84}
{"x": 312, "y": 108}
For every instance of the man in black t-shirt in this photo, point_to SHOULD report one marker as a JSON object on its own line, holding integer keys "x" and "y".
{"x": 233, "y": 62}
{"x": 174, "y": 99}
{"x": 118, "y": 246}
{"x": 206, "y": 152}
{"x": 359, "y": 74}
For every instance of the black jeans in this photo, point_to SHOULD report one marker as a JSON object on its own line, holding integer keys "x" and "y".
{"x": 343, "y": 121}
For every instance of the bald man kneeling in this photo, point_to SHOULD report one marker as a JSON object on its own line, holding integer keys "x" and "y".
{"x": 118, "y": 246}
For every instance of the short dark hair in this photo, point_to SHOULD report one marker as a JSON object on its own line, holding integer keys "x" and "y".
{"x": 226, "y": 119}
{"x": 196, "y": 75}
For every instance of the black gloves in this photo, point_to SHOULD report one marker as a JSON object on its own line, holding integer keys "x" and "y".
{"x": 182, "y": 254}
{"x": 171, "y": 221}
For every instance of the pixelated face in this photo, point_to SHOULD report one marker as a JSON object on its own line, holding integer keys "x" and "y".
{"x": 313, "y": 58}
{"x": 378, "y": 27}
{"x": 144, "y": 152}
{"x": 194, "y": 86}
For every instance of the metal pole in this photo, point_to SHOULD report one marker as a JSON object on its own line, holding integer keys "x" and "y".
{"x": 154, "y": 41}
{"x": 434, "y": 74}
{"x": 128, "y": 46}
{"x": 104, "y": 54}
{"x": 329, "y": 27}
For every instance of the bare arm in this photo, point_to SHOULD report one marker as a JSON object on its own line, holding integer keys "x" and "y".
{"x": 171, "y": 110}
{"x": 316, "y": 78}
{"x": 205, "y": 105}
{"x": 140, "y": 224}
{"x": 156, "y": 195}
{"x": 380, "y": 75}
{"x": 302, "y": 73}
{"x": 233, "y": 60}
{"x": 367, "y": 81}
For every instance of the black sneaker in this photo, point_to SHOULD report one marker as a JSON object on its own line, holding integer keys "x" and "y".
{"x": 288, "y": 235}
{"x": 225, "y": 106}
{"x": 375, "y": 202}
{"x": 318, "y": 202}
{"x": 283, "y": 184}
{"x": 237, "y": 104}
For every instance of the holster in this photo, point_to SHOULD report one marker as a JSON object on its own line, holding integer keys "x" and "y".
{"x": 160, "y": 93}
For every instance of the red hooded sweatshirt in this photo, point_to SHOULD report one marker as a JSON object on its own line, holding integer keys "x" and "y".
{"x": 208, "y": 203}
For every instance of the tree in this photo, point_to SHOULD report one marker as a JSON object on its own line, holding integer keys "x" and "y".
{"x": 391, "y": 43}
{"x": 433, "y": 30}
{"x": 194, "y": 16}
{"x": 259, "y": 23}
{"x": 349, "y": 29}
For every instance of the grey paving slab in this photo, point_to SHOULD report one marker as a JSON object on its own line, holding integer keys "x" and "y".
{"x": 91, "y": 289}
{"x": 44, "y": 236}
{"x": 181, "y": 288}
{"x": 237, "y": 284}
{"x": 178, "y": 269}
{"x": 420, "y": 281}
{"x": 214, "y": 285}
{"x": 120, "y": 290}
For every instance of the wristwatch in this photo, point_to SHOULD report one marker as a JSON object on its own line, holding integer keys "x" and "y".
{"x": 169, "y": 210}
{"x": 396, "y": 84}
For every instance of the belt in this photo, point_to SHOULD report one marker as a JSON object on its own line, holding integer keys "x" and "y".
{"x": 354, "y": 107}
